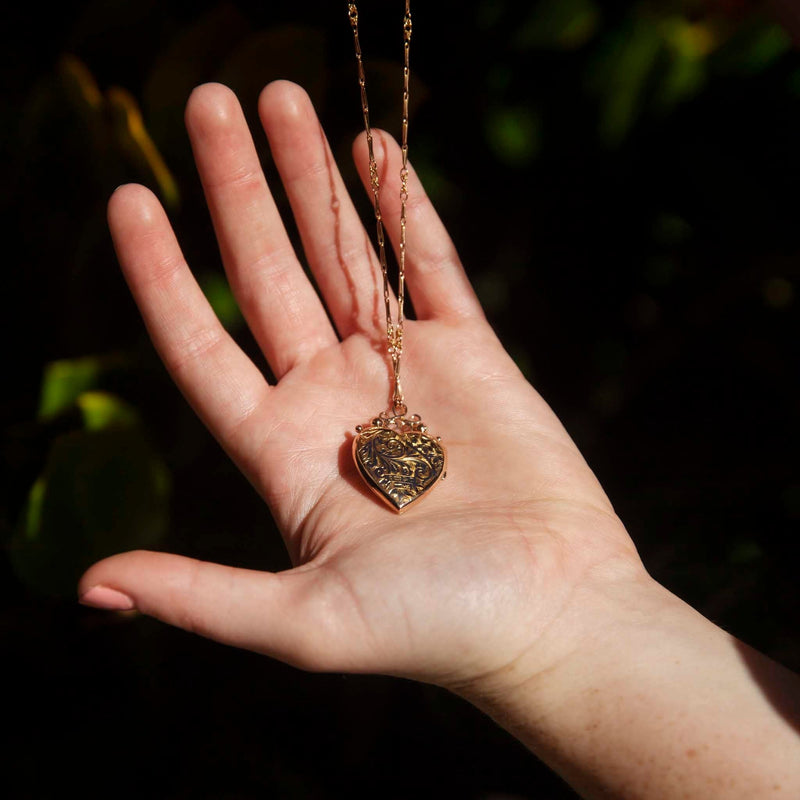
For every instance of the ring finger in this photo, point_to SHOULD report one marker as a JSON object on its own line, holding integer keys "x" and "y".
{"x": 337, "y": 246}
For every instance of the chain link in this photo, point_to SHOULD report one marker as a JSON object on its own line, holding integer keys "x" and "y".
{"x": 394, "y": 328}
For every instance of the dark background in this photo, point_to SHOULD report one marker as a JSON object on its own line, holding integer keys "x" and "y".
{"x": 621, "y": 180}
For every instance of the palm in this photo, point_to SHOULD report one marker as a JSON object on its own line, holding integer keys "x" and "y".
{"x": 520, "y": 511}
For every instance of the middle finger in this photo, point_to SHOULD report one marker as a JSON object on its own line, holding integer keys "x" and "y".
{"x": 278, "y": 301}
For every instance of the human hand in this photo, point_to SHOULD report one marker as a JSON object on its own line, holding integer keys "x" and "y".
{"x": 514, "y": 583}
{"x": 463, "y": 584}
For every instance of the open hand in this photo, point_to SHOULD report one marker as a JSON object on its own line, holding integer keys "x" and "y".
{"x": 482, "y": 576}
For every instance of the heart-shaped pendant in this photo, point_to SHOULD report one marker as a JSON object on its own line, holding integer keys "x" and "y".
{"x": 400, "y": 463}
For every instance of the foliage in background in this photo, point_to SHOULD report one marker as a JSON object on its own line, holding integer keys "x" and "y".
{"x": 620, "y": 179}
{"x": 103, "y": 488}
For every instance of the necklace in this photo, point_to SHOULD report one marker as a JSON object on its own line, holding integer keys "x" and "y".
{"x": 397, "y": 458}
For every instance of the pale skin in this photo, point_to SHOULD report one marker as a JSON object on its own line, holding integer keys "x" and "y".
{"x": 514, "y": 584}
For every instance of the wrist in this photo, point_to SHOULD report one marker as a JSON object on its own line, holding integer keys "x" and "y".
{"x": 583, "y": 647}
{"x": 651, "y": 699}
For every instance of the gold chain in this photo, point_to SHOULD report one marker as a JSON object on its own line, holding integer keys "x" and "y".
{"x": 394, "y": 329}
{"x": 397, "y": 458}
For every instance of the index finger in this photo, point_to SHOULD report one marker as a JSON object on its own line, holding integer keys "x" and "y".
{"x": 221, "y": 383}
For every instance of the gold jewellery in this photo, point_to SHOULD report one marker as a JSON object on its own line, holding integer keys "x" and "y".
{"x": 397, "y": 458}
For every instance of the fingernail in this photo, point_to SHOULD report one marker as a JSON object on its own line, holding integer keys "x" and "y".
{"x": 103, "y": 597}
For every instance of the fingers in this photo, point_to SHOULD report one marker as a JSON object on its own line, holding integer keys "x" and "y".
{"x": 338, "y": 248}
{"x": 221, "y": 383}
{"x": 277, "y": 299}
{"x": 436, "y": 279}
{"x": 283, "y": 615}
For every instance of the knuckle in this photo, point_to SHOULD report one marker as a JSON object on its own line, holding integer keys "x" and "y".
{"x": 191, "y": 348}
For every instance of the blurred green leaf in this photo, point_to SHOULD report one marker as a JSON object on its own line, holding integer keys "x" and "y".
{"x": 752, "y": 49}
{"x": 688, "y": 45}
{"x": 103, "y": 488}
{"x": 650, "y": 64}
{"x": 683, "y": 79}
{"x": 689, "y": 39}
{"x": 136, "y": 142}
{"x": 78, "y": 78}
{"x": 558, "y": 24}
{"x": 514, "y": 135}
{"x": 219, "y": 295}
{"x": 102, "y": 410}
{"x": 621, "y": 74}
{"x": 64, "y": 381}
{"x": 33, "y": 512}
{"x": 101, "y": 492}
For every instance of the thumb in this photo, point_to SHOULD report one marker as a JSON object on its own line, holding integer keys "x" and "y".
{"x": 283, "y": 615}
